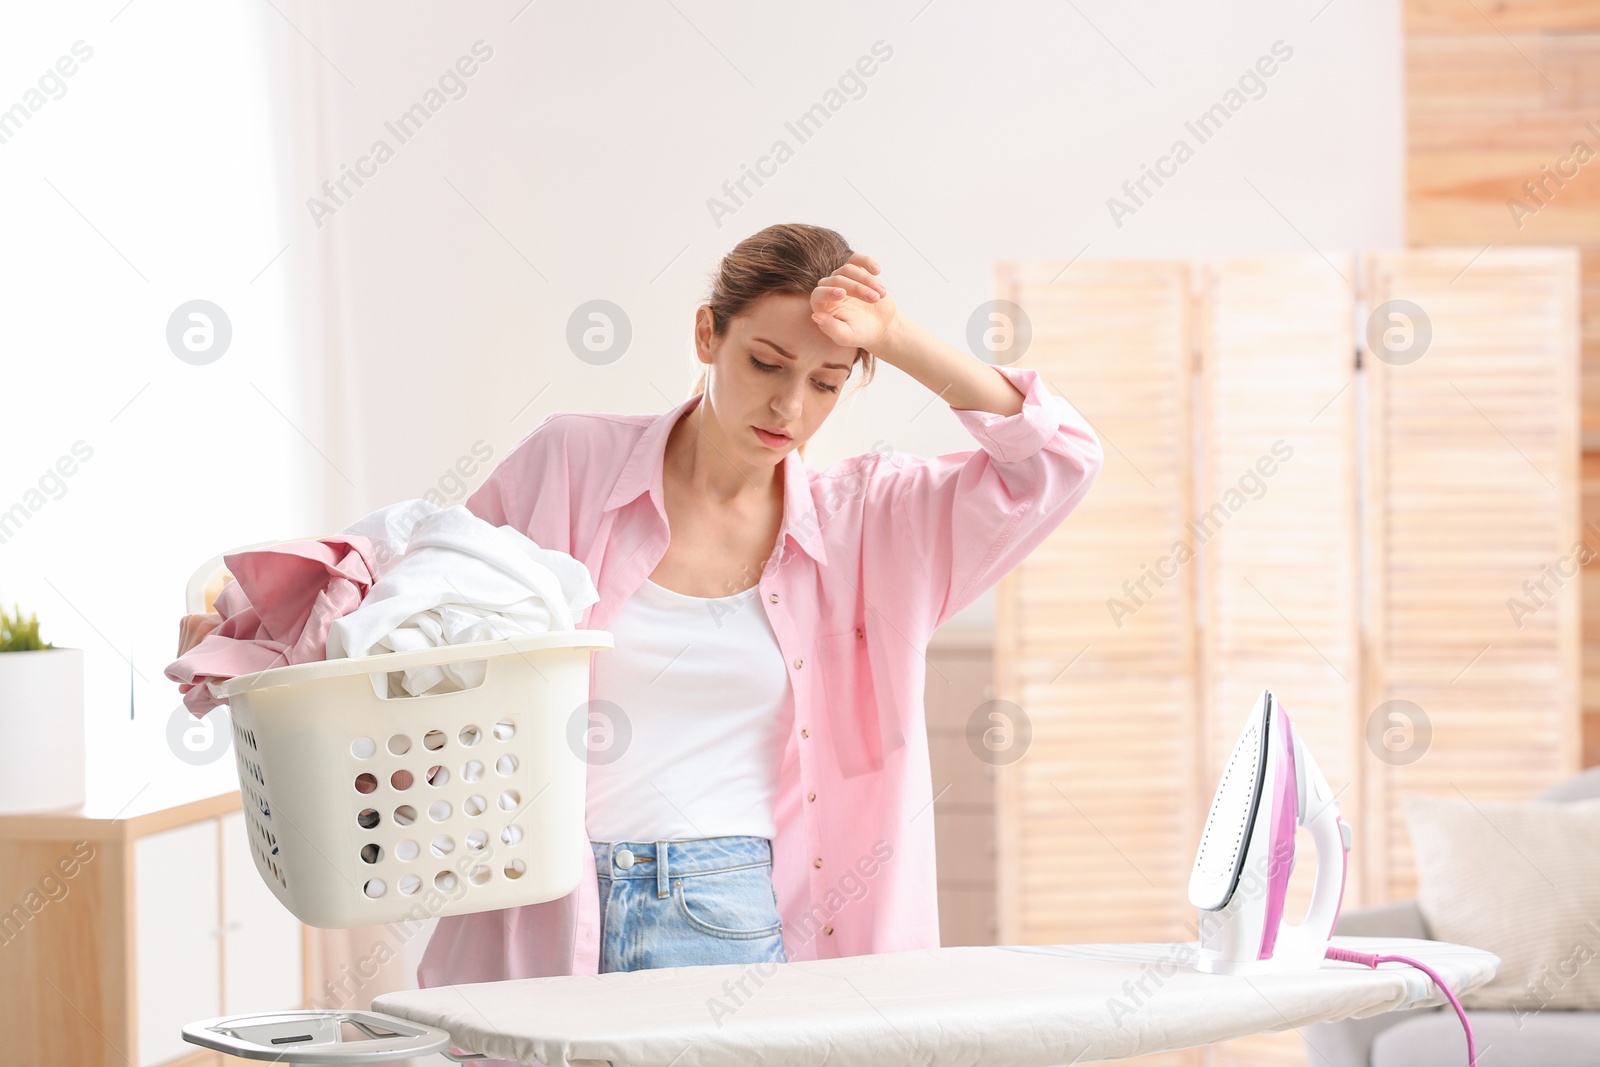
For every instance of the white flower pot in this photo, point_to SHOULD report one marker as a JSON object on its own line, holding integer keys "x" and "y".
{"x": 41, "y": 730}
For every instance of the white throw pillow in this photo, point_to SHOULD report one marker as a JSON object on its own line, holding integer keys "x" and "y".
{"x": 1521, "y": 880}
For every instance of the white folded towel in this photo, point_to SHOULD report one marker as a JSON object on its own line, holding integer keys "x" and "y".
{"x": 454, "y": 578}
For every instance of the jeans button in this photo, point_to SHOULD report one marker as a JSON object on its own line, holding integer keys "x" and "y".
{"x": 624, "y": 859}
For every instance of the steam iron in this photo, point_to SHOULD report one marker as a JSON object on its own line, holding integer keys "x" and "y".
{"x": 1271, "y": 785}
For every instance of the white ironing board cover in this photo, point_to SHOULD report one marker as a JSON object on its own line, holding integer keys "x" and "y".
{"x": 998, "y": 1006}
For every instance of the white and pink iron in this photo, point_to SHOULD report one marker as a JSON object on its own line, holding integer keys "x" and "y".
{"x": 1241, "y": 872}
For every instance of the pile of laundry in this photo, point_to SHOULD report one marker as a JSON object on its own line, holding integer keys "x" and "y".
{"x": 409, "y": 576}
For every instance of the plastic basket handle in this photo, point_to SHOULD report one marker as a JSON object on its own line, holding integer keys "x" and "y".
{"x": 387, "y": 662}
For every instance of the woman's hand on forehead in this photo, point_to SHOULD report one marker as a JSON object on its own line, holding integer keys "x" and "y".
{"x": 851, "y": 306}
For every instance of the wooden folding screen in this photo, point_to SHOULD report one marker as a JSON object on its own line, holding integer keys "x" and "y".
{"x": 1275, "y": 528}
{"x": 1095, "y": 820}
{"x": 1275, "y": 525}
{"x": 1502, "y": 112}
{"x": 1394, "y": 513}
{"x": 1472, "y": 463}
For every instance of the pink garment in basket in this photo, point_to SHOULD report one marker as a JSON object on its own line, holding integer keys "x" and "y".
{"x": 278, "y": 610}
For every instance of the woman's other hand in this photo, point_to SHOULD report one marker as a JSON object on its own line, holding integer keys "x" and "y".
{"x": 852, "y": 307}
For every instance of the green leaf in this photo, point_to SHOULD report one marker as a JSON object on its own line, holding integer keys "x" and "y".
{"x": 19, "y": 636}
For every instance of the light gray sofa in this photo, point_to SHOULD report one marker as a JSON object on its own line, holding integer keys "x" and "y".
{"x": 1432, "y": 1037}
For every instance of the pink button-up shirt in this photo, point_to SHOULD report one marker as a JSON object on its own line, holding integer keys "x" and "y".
{"x": 873, "y": 555}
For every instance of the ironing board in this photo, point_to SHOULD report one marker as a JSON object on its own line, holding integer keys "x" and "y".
{"x": 999, "y": 1006}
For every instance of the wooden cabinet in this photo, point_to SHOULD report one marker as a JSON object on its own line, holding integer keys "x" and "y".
{"x": 124, "y": 925}
{"x": 176, "y": 940}
{"x": 257, "y": 973}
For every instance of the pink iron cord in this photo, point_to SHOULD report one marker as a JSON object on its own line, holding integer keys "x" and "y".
{"x": 1372, "y": 960}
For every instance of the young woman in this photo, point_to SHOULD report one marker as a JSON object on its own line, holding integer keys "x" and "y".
{"x": 759, "y": 787}
{"x": 758, "y": 779}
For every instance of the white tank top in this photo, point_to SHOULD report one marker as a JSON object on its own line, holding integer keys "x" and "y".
{"x": 703, "y": 711}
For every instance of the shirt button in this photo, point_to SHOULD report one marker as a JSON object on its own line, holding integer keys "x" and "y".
{"x": 811, "y": 796}
{"x": 625, "y": 859}
{"x": 858, "y": 631}
{"x": 797, "y": 663}
{"x": 827, "y": 929}
{"x": 817, "y": 862}
{"x": 805, "y": 732}
{"x": 774, "y": 598}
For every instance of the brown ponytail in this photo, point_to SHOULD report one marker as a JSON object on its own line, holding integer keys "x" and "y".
{"x": 788, "y": 257}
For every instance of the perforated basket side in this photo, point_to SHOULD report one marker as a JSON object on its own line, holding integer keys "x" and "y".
{"x": 256, "y": 799}
{"x": 409, "y": 808}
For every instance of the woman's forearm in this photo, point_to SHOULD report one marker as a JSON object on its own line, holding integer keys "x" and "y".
{"x": 962, "y": 381}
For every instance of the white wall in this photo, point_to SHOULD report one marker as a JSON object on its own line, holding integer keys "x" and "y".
{"x": 580, "y": 161}
{"x": 146, "y": 177}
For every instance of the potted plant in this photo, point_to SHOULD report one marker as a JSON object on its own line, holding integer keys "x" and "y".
{"x": 41, "y": 716}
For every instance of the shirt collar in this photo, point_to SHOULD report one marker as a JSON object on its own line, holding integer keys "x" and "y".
{"x": 642, "y": 473}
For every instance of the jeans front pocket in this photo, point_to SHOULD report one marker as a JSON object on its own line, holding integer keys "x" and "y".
{"x": 737, "y": 905}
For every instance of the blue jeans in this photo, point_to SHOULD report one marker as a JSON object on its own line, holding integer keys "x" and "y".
{"x": 687, "y": 903}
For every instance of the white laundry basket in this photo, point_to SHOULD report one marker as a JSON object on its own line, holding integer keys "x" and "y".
{"x": 364, "y": 808}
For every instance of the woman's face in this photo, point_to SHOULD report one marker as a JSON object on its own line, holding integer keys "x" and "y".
{"x": 772, "y": 370}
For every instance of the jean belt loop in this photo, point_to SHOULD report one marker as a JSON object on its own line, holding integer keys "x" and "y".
{"x": 662, "y": 889}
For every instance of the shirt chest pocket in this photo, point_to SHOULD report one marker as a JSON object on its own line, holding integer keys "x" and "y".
{"x": 855, "y": 721}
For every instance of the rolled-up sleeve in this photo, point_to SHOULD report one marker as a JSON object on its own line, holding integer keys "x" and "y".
{"x": 975, "y": 515}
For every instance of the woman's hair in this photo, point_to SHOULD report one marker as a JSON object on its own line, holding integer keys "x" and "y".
{"x": 788, "y": 257}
